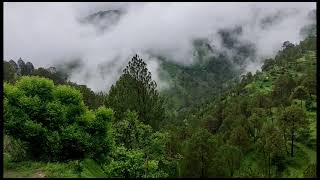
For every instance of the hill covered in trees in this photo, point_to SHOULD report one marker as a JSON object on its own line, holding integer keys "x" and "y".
{"x": 211, "y": 123}
{"x": 267, "y": 122}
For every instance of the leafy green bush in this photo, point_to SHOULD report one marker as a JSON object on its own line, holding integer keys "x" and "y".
{"x": 133, "y": 163}
{"x": 54, "y": 121}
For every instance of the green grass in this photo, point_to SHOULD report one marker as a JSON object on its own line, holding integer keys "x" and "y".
{"x": 72, "y": 169}
{"x": 313, "y": 124}
{"x": 91, "y": 169}
{"x": 303, "y": 156}
{"x": 262, "y": 86}
{"x": 68, "y": 170}
{"x": 23, "y": 169}
{"x": 29, "y": 169}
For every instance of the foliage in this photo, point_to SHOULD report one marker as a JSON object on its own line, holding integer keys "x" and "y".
{"x": 310, "y": 171}
{"x": 136, "y": 91}
{"x": 90, "y": 169}
{"x": 130, "y": 132}
{"x": 14, "y": 151}
{"x": 132, "y": 163}
{"x": 299, "y": 93}
{"x": 292, "y": 119}
{"x": 8, "y": 72}
{"x": 198, "y": 154}
{"x": 240, "y": 139}
{"x": 52, "y": 120}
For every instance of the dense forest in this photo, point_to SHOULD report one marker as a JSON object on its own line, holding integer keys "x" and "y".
{"x": 212, "y": 122}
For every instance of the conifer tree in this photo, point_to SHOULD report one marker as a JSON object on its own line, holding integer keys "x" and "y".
{"x": 136, "y": 91}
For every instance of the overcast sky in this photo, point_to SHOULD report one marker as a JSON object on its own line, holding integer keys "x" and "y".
{"x": 50, "y": 33}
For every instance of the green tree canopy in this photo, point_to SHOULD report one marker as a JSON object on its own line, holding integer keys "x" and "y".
{"x": 300, "y": 93}
{"x": 54, "y": 121}
{"x": 198, "y": 154}
{"x": 136, "y": 91}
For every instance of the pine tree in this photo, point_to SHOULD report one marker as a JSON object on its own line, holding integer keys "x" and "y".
{"x": 136, "y": 91}
{"x": 292, "y": 119}
{"x": 299, "y": 92}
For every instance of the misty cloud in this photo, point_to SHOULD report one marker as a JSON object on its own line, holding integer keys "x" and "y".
{"x": 48, "y": 34}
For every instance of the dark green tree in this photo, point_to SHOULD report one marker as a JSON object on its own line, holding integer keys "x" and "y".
{"x": 273, "y": 146}
{"x": 198, "y": 154}
{"x": 239, "y": 138}
{"x": 300, "y": 93}
{"x": 136, "y": 91}
{"x": 268, "y": 64}
{"x": 8, "y": 72}
{"x": 255, "y": 125}
{"x": 230, "y": 157}
{"x": 42, "y": 72}
{"x": 310, "y": 83}
{"x": 282, "y": 89}
{"x": 292, "y": 119}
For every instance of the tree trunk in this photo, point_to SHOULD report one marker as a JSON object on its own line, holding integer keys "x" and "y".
{"x": 285, "y": 141}
{"x": 202, "y": 159}
{"x": 146, "y": 170}
{"x": 231, "y": 167}
{"x": 270, "y": 110}
{"x": 292, "y": 136}
{"x": 254, "y": 136}
{"x": 264, "y": 161}
{"x": 269, "y": 165}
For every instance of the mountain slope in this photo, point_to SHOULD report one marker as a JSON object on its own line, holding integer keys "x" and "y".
{"x": 260, "y": 92}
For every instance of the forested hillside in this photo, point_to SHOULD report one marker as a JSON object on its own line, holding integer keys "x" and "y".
{"x": 211, "y": 122}
{"x": 263, "y": 127}
{"x": 213, "y": 72}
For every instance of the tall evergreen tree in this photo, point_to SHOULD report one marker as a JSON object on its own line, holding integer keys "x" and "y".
{"x": 136, "y": 91}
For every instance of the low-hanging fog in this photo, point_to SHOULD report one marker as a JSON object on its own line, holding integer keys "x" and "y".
{"x": 48, "y": 34}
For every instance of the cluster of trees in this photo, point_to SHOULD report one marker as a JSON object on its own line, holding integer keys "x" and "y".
{"x": 54, "y": 124}
{"x": 13, "y": 71}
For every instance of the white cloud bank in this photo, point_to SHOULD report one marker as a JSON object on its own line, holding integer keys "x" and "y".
{"x": 49, "y": 33}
